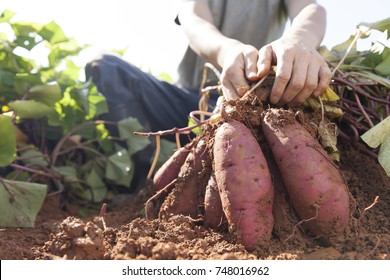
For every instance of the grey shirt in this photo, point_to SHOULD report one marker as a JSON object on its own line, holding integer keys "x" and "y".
{"x": 254, "y": 22}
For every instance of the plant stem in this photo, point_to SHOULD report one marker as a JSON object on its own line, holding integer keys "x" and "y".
{"x": 184, "y": 130}
{"x": 158, "y": 147}
{"x": 357, "y": 36}
{"x": 34, "y": 171}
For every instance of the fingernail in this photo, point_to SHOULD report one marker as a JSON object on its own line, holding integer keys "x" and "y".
{"x": 252, "y": 75}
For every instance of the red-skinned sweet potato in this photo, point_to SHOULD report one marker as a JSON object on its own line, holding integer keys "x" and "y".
{"x": 213, "y": 214}
{"x": 187, "y": 195}
{"x": 170, "y": 169}
{"x": 244, "y": 184}
{"x": 315, "y": 185}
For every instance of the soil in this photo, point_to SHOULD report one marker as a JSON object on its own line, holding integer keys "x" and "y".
{"x": 122, "y": 232}
{"x": 127, "y": 235}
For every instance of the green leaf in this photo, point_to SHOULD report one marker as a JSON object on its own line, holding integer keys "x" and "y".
{"x": 23, "y": 63}
{"x": 342, "y": 48}
{"x": 196, "y": 130}
{"x": 378, "y": 134}
{"x": 27, "y": 41}
{"x": 18, "y": 175}
{"x": 6, "y": 16}
{"x": 119, "y": 168}
{"x": 68, "y": 172}
{"x": 29, "y": 78}
{"x": 381, "y": 25}
{"x": 6, "y": 81}
{"x": 25, "y": 28}
{"x": 61, "y": 50}
{"x": 328, "y": 55}
{"x": 69, "y": 75}
{"x": 135, "y": 143}
{"x": 47, "y": 94}
{"x": 97, "y": 186}
{"x": 372, "y": 76}
{"x": 384, "y": 154}
{"x": 30, "y": 109}
{"x": 97, "y": 105}
{"x": 371, "y": 60}
{"x": 7, "y": 141}
{"x": 165, "y": 77}
{"x": 26, "y": 33}
{"x": 53, "y": 33}
{"x": 35, "y": 158}
{"x": 384, "y": 67}
{"x": 20, "y": 202}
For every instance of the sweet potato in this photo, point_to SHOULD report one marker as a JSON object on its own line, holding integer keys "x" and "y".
{"x": 315, "y": 185}
{"x": 285, "y": 218}
{"x": 187, "y": 195}
{"x": 244, "y": 183}
{"x": 213, "y": 214}
{"x": 170, "y": 169}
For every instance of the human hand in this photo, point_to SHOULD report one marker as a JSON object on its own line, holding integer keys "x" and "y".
{"x": 300, "y": 71}
{"x": 239, "y": 66}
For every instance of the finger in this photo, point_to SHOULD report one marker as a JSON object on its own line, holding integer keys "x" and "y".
{"x": 250, "y": 60}
{"x": 228, "y": 90}
{"x": 310, "y": 84}
{"x": 283, "y": 75}
{"x": 297, "y": 81}
{"x": 234, "y": 79}
{"x": 264, "y": 61}
{"x": 325, "y": 77}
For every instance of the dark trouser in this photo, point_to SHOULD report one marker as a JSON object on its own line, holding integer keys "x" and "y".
{"x": 156, "y": 104}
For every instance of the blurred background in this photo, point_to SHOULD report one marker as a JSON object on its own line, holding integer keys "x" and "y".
{"x": 147, "y": 30}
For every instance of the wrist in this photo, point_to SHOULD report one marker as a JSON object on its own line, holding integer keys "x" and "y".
{"x": 303, "y": 39}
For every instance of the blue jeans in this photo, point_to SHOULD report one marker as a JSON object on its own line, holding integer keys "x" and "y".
{"x": 156, "y": 104}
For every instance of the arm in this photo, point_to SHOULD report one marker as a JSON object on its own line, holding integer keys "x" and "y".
{"x": 238, "y": 61}
{"x": 301, "y": 71}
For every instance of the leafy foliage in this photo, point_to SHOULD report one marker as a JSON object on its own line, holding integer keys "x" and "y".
{"x": 7, "y": 141}
{"x": 361, "y": 79}
{"x": 377, "y": 136}
{"x": 20, "y": 202}
{"x": 51, "y": 136}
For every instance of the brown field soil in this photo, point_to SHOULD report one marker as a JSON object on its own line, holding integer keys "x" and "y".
{"x": 127, "y": 235}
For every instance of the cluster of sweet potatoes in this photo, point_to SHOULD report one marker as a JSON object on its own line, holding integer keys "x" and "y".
{"x": 223, "y": 180}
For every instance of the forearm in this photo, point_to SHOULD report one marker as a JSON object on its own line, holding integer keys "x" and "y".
{"x": 204, "y": 38}
{"x": 308, "y": 26}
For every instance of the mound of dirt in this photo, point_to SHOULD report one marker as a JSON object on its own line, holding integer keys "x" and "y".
{"x": 129, "y": 236}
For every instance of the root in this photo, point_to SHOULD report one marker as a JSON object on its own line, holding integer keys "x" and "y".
{"x": 300, "y": 223}
{"x": 358, "y": 221}
{"x": 177, "y": 138}
{"x": 376, "y": 246}
{"x": 256, "y": 86}
{"x": 158, "y": 148}
{"x": 166, "y": 190}
{"x": 368, "y": 208}
{"x": 103, "y": 211}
